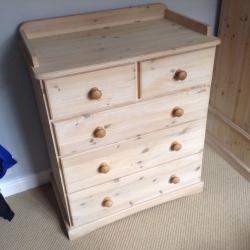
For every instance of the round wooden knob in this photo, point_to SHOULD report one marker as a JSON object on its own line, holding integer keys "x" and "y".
{"x": 104, "y": 168}
{"x": 180, "y": 75}
{"x": 95, "y": 94}
{"x": 177, "y": 112}
{"x": 107, "y": 202}
{"x": 174, "y": 179}
{"x": 99, "y": 132}
{"x": 175, "y": 146}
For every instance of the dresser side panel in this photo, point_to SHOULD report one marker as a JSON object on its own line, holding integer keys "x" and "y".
{"x": 52, "y": 149}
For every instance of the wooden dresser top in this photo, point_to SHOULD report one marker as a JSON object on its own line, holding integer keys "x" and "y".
{"x": 69, "y": 45}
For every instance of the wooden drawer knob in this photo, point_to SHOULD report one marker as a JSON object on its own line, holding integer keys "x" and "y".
{"x": 95, "y": 94}
{"x": 175, "y": 146}
{"x": 99, "y": 132}
{"x": 107, "y": 202}
{"x": 177, "y": 112}
{"x": 104, "y": 168}
{"x": 174, "y": 179}
{"x": 180, "y": 75}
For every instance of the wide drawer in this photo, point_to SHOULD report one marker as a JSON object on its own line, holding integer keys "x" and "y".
{"x": 102, "y": 165}
{"x": 92, "y": 130}
{"x": 91, "y": 91}
{"x": 164, "y": 75}
{"x": 103, "y": 200}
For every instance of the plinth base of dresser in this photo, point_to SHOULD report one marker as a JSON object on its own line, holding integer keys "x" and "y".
{"x": 75, "y": 232}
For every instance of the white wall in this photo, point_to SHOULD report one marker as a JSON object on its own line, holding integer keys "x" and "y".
{"x": 20, "y": 128}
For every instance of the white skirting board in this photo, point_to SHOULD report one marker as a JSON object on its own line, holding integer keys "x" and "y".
{"x": 22, "y": 184}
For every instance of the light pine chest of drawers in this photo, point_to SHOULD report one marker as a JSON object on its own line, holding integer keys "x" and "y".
{"x": 123, "y": 95}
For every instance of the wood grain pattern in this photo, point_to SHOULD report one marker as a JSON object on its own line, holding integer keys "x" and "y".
{"x": 68, "y": 96}
{"x": 158, "y": 75}
{"x": 76, "y": 51}
{"x": 76, "y": 232}
{"x": 90, "y": 21}
{"x": 229, "y": 156}
{"x": 52, "y": 148}
{"x": 188, "y": 22}
{"x": 76, "y": 135}
{"x": 230, "y": 139}
{"x": 28, "y": 50}
{"x": 230, "y": 86}
{"x": 123, "y": 95}
{"x": 229, "y": 120}
{"x": 127, "y": 191}
{"x": 82, "y": 171}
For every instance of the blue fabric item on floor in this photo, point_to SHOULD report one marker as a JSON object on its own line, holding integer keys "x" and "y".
{"x": 6, "y": 161}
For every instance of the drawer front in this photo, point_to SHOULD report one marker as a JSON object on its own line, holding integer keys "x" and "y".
{"x": 92, "y": 91}
{"x": 103, "y": 128}
{"x": 103, "y": 200}
{"x": 102, "y": 165}
{"x": 165, "y": 75}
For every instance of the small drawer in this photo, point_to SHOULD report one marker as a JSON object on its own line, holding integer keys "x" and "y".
{"x": 90, "y": 92}
{"x": 143, "y": 152}
{"x": 90, "y": 131}
{"x": 165, "y": 75}
{"x": 126, "y": 192}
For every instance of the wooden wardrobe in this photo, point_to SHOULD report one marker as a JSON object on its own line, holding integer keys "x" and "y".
{"x": 229, "y": 114}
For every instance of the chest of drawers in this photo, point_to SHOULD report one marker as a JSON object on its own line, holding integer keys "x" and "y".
{"x": 123, "y": 96}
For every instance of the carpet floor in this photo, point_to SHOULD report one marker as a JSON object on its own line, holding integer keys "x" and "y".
{"x": 218, "y": 218}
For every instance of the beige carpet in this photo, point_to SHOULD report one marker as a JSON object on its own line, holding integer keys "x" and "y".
{"x": 218, "y": 218}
